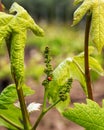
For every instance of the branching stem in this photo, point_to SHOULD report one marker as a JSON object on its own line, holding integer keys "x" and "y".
{"x": 86, "y": 55}
{"x": 45, "y": 109}
{"x": 43, "y": 113}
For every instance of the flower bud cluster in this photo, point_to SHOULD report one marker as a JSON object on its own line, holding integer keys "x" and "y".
{"x": 65, "y": 89}
{"x": 48, "y": 69}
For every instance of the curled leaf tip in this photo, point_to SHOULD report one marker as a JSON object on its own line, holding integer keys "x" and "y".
{"x": 37, "y": 30}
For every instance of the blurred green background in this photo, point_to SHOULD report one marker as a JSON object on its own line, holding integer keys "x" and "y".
{"x": 50, "y": 10}
{"x": 55, "y": 17}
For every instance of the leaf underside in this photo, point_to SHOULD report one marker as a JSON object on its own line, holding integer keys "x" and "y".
{"x": 71, "y": 68}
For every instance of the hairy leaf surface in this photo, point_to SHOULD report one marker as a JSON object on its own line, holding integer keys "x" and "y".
{"x": 5, "y": 30}
{"x": 89, "y": 116}
{"x": 97, "y": 23}
{"x": 19, "y": 25}
{"x": 13, "y": 29}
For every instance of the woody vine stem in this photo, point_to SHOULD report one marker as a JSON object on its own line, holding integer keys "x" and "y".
{"x": 86, "y": 56}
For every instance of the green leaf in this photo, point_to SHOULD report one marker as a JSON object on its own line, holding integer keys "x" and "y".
{"x": 97, "y": 22}
{"x": 9, "y": 95}
{"x": 4, "y": 25}
{"x": 93, "y": 64}
{"x": 71, "y": 68}
{"x": 77, "y": 73}
{"x": 13, "y": 115}
{"x": 7, "y": 108}
{"x": 89, "y": 116}
{"x": 60, "y": 75}
{"x": 23, "y": 20}
{"x": 81, "y": 11}
{"x": 19, "y": 25}
{"x": 97, "y": 30}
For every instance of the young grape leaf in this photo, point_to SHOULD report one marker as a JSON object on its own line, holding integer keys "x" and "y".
{"x": 5, "y": 30}
{"x": 89, "y": 116}
{"x": 19, "y": 25}
{"x": 97, "y": 22}
{"x": 60, "y": 75}
{"x": 93, "y": 64}
{"x": 9, "y": 95}
{"x": 23, "y": 20}
{"x": 12, "y": 114}
{"x": 71, "y": 68}
{"x": 13, "y": 29}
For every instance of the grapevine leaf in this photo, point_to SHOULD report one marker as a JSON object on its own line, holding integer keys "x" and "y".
{"x": 67, "y": 69}
{"x": 7, "y": 108}
{"x": 97, "y": 30}
{"x": 9, "y": 95}
{"x": 10, "y": 22}
{"x": 93, "y": 64}
{"x": 89, "y": 116}
{"x": 97, "y": 22}
{"x": 71, "y": 68}
{"x": 24, "y": 20}
{"x": 61, "y": 74}
{"x": 81, "y": 11}
{"x": 4, "y": 25}
{"x": 12, "y": 114}
{"x": 19, "y": 25}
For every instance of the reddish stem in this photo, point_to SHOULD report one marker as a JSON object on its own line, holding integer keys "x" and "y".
{"x": 86, "y": 57}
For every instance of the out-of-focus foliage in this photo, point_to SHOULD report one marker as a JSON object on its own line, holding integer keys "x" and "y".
{"x": 60, "y": 39}
{"x": 60, "y": 10}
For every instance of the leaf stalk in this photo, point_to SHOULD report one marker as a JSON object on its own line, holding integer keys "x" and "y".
{"x": 86, "y": 56}
{"x": 43, "y": 112}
